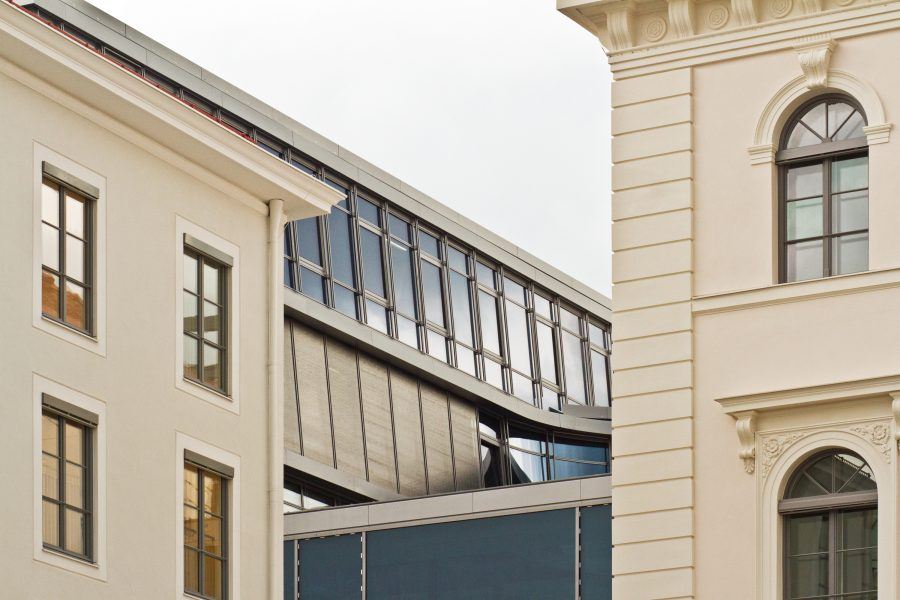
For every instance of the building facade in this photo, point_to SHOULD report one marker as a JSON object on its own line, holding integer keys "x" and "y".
{"x": 243, "y": 362}
{"x": 755, "y": 374}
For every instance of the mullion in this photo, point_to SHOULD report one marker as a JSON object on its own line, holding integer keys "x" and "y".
{"x": 62, "y": 253}
{"x": 826, "y": 213}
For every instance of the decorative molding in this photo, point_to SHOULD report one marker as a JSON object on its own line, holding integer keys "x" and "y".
{"x": 797, "y": 90}
{"x": 879, "y": 133}
{"x": 811, "y": 7}
{"x": 745, "y": 11}
{"x": 895, "y": 411}
{"x": 877, "y": 434}
{"x": 764, "y": 153}
{"x": 681, "y": 15}
{"x": 843, "y": 2}
{"x": 717, "y": 17}
{"x": 620, "y": 23}
{"x": 773, "y": 446}
{"x": 814, "y": 56}
{"x": 655, "y": 29}
{"x": 746, "y": 431}
{"x": 780, "y": 8}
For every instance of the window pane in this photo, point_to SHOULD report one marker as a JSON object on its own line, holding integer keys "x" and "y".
{"x": 850, "y": 254}
{"x": 75, "y": 258}
{"x": 804, "y": 260}
{"x": 804, "y": 182}
{"x": 190, "y": 358}
{"x": 850, "y": 174}
{"x": 50, "y": 476}
{"x": 312, "y": 284}
{"x": 599, "y": 377}
{"x": 211, "y": 282}
{"x": 527, "y": 467}
{"x": 837, "y": 116}
{"x": 808, "y": 534}
{"x": 75, "y": 485}
{"x": 212, "y": 577}
{"x": 190, "y": 273}
{"x": 580, "y": 450}
{"x": 49, "y": 294}
{"x": 50, "y": 522}
{"x": 850, "y": 211}
{"x": 859, "y": 529}
{"x": 50, "y": 202}
{"x": 74, "y": 437}
{"x": 75, "y": 313}
{"x": 189, "y": 304}
{"x": 369, "y": 212}
{"x": 308, "y": 240}
{"x": 212, "y": 493}
{"x": 402, "y": 273}
{"x": 75, "y": 523}
{"x": 212, "y": 366}
{"x": 569, "y": 320}
{"x": 212, "y": 534}
{"x": 517, "y": 326}
{"x": 293, "y": 502}
{"x": 399, "y": 228}
{"x": 191, "y": 570}
{"x": 75, "y": 215}
{"x": 437, "y": 346}
{"x": 809, "y": 576}
{"x": 191, "y": 486}
{"x": 528, "y": 440}
{"x": 490, "y": 328}
{"x": 802, "y": 136}
{"x": 564, "y": 469}
{"x": 542, "y": 306}
{"x": 546, "y": 351}
{"x": 522, "y": 388}
{"x": 433, "y": 289}
{"x": 457, "y": 260}
{"x": 311, "y": 502}
{"x": 596, "y": 334}
{"x": 513, "y": 290}
{"x": 376, "y": 316}
{"x": 815, "y": 118}
{"x": 493, "y": 373}
{"x": 462, "y": 308}
{"x": 50, "y": 434}
{"x": 341, "y": 251}
{"x": 574, "y": 367}
{"x": 465, "y": 360}
{"x": 406, "y": 331}
{"x": 50, "y": 247}
{"x": 429, "y": 244}
{"x": 858, "y": 572}
{"x": 485, "y": 275}
{"x": 345, "y": 301}
{"x": 191, "y": 527}
{"x": 212, "y": 323}
{"x": 491, "y": 470}
{"x": 549, "y": 399}
{"x": 373, "y": 261}
{"x": 852, "y": 129}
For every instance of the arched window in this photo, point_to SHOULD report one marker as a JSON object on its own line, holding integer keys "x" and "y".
{"x": 830, "y": 511}
{"x": 823, "y": 165}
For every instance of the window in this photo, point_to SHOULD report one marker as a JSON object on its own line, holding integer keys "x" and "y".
{"x": 830, "y": 512}
{"x": 205, "y": 531}
{"x": 301, "y": 494}
{"x": 824, "y": 197}
{"x": 205, "y": 316}
{"x": 66, "y": 480}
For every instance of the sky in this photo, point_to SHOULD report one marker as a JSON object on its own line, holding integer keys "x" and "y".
{"x": 499, "y": 109}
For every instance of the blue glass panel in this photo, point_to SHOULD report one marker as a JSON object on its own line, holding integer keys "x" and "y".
{"x": 596, "y": 553}
{"x": 290, "y": 573}
{"x": 373, "y": 262}
{"x": 331, "y": 568}
{"x": 369, "y": 212}
{"x": 433, "y": 289}
{"x": 519, "y": 557}
{"x": 404, "y": 287}
{"x": 341, "y": 248}
{"x": 308, "y": 240}
{"x": 564, "y": 469}
{"x": 462, "y": 308}
{"x": 580, "y": 450}
{"x": 312, "y": 284}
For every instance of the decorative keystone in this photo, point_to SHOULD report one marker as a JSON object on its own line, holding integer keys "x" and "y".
{"x": 814, "y": 57}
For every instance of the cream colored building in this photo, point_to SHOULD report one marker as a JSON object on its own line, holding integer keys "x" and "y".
{"x": 756, "y": 326}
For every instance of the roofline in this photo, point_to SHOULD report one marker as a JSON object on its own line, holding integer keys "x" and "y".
{"x": 184, "y": 72}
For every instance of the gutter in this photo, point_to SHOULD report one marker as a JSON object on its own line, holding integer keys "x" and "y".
{"x": 275, "y": 370}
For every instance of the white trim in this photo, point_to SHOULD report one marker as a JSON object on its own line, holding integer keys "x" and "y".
{"x": 97, "y": 342}
{"x": 185, "y": 442}
{"x": 98, "y": 569}
{"x": 792, "y": 94}
{"x": 795, "y": 446}
{"x": 231, "y": 402}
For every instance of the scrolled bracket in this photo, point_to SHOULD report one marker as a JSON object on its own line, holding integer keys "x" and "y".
{"x": 746, "y": 431}
{"x": 895, "y": 412}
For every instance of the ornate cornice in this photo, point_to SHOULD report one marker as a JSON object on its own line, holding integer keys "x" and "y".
{"x": 681, "y": 16}
{"x": 745, "y": 10}
{"x": 620, "y": 23}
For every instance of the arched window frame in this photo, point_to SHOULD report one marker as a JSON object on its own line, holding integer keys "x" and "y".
{"x": 824, "y": 153}
{"x": 832, "y": 505}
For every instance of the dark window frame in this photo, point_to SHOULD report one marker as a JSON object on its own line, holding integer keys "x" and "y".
{"x": 225, "y": 517}
{"x": 825, "y": 154}
{"x": 224, "y": 315}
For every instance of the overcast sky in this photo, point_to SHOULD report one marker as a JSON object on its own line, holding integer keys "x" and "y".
{"x": 497, "y": 108}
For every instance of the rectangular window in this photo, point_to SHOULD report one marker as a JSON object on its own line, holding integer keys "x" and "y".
{"x": 67, "y": 257}
{"x": 205, "y": 532}
{"x": 205, "y": 315}
{"x": 66, "y": 483}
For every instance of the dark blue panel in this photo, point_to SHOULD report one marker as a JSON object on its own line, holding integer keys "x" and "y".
{"x": 331, "y": 568}
{"x": 596, "y": 553}
{"x": 290, "y": 573}
{"x": 519, "y": 557}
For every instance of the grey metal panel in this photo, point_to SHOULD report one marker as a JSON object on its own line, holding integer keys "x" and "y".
{"x": 69, "y": 410}
{"x": 343, "y": 386}
{"x": 466, "y": 462}
{"x": 315, "y": 416}
{"x": 438, "y": 453}
{"x": 408, "y": 431}
{"x": 291, "y": 410}
{"x": 79, "y": 184}
{"x": 340, "y": 479}
{"x": 207, "y": 249}
{"x": 376, "y": 405}
{"x": 208, "y": 463}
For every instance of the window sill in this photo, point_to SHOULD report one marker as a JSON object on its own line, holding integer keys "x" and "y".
{"x": 68, "y": 333}
{"x": 797, "y": 291}
{"x": 71, "y": 563}
{"x": 229, "y": 403}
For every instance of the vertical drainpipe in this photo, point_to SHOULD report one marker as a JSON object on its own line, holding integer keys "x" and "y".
{"x": 275, "y": 368}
